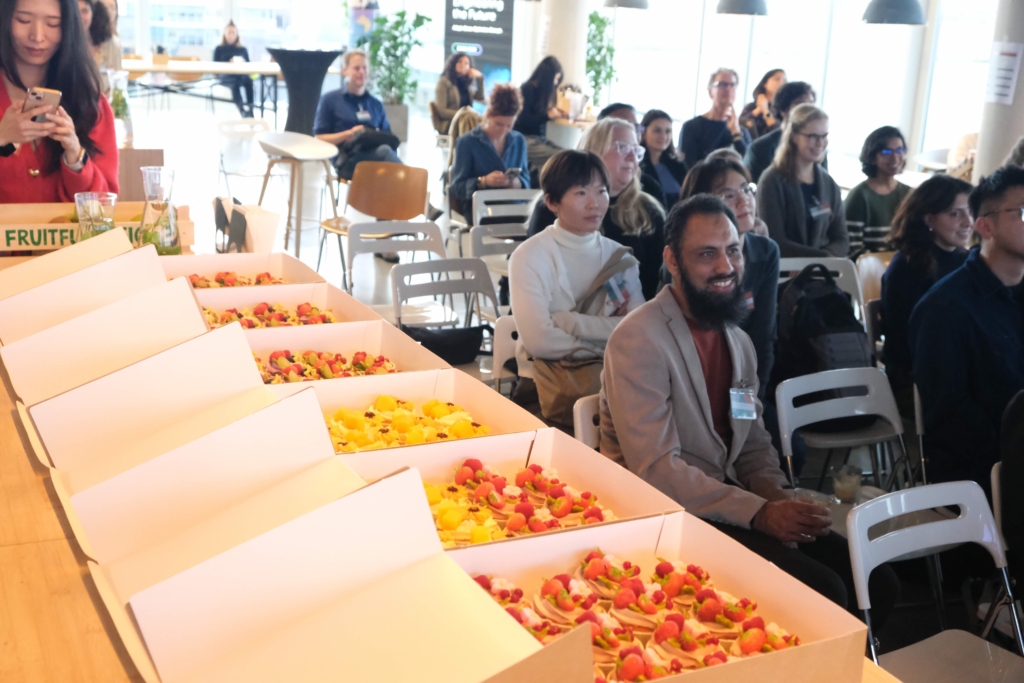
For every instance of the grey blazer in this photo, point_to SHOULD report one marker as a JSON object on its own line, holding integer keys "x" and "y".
{"x": 446, "y": 96}
{"x": 780, "y": 204}
{"x": 656, "y": 417}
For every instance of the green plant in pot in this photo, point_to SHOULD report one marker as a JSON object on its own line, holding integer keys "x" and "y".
{"x": 389, "y": 46}
{"x": 600, "y": 55}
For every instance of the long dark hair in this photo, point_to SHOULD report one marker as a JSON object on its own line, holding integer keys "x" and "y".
{"x": 701, "y": 178}
{"x": 450, "y": 64}
{"x": 910, "y": 233}
{"x": 543, "y": 78}
{"x": 650, "y": 117}
{"x": 72, "y": 70}
{"x": 100, "y": 30}
{"x": 760, "y": 89}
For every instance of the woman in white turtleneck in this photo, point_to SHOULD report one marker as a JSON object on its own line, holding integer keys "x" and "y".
{"x": 552, "y": 271}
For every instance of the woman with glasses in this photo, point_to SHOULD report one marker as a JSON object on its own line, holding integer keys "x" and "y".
{"x": 758, "y": 116}
{"x": 729, "y": 180}
{"x": 931, "y": 230}
{"x": 660, "y": 160}
{"x": 719, "y": 127}
{"x": 797, "y": 197}
{"x": 870, "y": 206}
{"x": 635, "y": 219}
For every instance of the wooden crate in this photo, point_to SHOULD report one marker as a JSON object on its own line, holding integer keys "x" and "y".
{"x": 45, "y": 227}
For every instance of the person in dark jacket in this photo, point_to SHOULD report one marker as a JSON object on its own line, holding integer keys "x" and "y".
{"x": 460, "y": 85}
{"x": 931, "y": 230}
{"x": 719, "y": 127}
{"x": 797, "y": 198}
{"x": 729, "y": 181}
{"x": 759, "y": 117}
{"x": 485, "y": 154}
{"x": 967, "y": 339}
{"x": 539, "y": 106}
{"x": 634, "y": 217}
{"x": 661, "y": 160}
{"x": 761, "y": 151}
{"x": 231, "y": 50}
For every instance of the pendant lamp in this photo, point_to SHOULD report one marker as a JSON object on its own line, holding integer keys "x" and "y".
{"x": 629, "y": 4}
{"x": 742, "y": 7}
{"x": 894, "y": 12}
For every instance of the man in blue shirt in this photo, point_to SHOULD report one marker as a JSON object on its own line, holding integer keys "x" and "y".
{"x": 967, "y": 338}
{"x": 343, "y": 113}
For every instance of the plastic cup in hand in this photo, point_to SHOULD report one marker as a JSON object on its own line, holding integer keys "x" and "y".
{"x": 846, "y": 483}
{"x": 813, "y": 497}
{"x": 95, "y": 213}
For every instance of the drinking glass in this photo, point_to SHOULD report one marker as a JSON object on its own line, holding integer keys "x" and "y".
{"x": 159, "y": 222}
{"x": 846, "y": 483}
{"x": 95, "y": 213}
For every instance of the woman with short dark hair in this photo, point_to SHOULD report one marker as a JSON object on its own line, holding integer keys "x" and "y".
{"x": 871, "y": 205}
{"x": 661, "y": 160}
{"x": 551, "y": 272}
{"x": 460, "y": 85}
{"x": 231, "y": 50}
{"x": 43, "y": 45}
{"x": 540, "y": 93}
{"x": 758, "y": 117}
{"x": 931, "y": 230}
{"x": 492, "y": 155}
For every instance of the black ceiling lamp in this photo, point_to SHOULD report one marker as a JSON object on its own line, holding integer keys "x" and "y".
{"x": 754, "y": 7}
{"x": 628, "y": 4}
{"x": 895, "y": 12}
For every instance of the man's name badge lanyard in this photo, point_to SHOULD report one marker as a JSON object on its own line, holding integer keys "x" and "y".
{"x": 741, "y": 400}
{"x": 362, "y": 115}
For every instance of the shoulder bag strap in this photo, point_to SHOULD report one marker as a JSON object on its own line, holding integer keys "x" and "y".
{"x": 621, "y": 260}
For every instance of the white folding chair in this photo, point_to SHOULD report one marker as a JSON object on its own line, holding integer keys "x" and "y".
{"x": 505, "y": 337}
{"x": 878, "y": 401}
{"x": 870, "y": 268}
{"x": 586, "y": 420}
{"x": 919, "y": 428}
{"x": 974, "y": 524}
{"x": 504, "y": 204}
{"x": 987, "y": 612}
{"x": 842, "y": 269}
{"x": 385, "y": 237}
{"x": 238, "y": 155}
{"x": 997, "y": 500}
{"x": 474, "y": 281}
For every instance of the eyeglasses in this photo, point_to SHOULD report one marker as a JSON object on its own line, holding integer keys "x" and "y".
{"x": 889, "y": 152}
{"x": 1014, "y": 210}
{"x": 724, "y": 84}
{"x": 815, "y": 139}
{"x": 624, "y": 148}
{"x": 732, "y": 196}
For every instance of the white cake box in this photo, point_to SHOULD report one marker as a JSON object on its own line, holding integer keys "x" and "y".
{"x": 380, "y": 601}
{"x": 54, "y": 264}
{"x": 486, "y": 406}
{"x": 69, "y": 296}
{"x": 617, "y": 489}
{"x": 832, "y": 639}
{"x": 375, "y": 337}
{"x": 97, "y": 343}
{"x": 280, "y": 265}
{"x": 322, "y": 295}
{"x": 113, "y": 423}
{"x": 155, "y": 500}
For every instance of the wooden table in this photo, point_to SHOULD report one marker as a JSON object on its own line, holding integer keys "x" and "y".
{"x": 53, "y": 626}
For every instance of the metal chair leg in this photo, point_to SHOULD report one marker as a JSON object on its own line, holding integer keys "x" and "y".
{"x": 291, "y": 200}
{"x": 935, "y": 579}
{"x": 1008, "y": 585}
{"x": 320, "y": 254}
{"x": 298, "y": 210}
{"x": 824, "y": 470}
{"x": 876, "y": 460}
{"x": 872, "y": 646}
{"x": 266, "y": 179}
{"x": 345, "y": 277}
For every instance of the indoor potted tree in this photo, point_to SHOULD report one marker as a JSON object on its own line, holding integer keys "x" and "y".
{"x": 600, "y": 55}
{"x": 389, "y": 46}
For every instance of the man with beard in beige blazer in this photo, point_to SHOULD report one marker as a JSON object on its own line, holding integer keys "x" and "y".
{"x": 679, "y": 408}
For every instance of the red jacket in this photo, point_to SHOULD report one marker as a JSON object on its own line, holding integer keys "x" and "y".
{"x": 17, "y": 186}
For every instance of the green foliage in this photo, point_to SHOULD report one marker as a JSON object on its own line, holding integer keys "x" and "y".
{"x": 389, "y": 46}
{"x": 600, "y": 55}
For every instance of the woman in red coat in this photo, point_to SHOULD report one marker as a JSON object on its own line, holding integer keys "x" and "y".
{"x": 43, "y": 44}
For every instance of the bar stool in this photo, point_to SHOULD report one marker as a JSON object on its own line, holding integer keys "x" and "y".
{"x": 295, "y": 149}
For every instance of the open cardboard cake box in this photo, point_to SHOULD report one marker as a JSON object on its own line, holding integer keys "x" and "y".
{"x": 282, "y": 266}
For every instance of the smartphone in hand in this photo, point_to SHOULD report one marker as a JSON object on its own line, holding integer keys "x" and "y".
{"x": 39, "y": 97}
{"x": 513, "y": 173}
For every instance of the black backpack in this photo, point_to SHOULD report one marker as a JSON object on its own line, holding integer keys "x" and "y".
{"x": 818, "y": 331}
